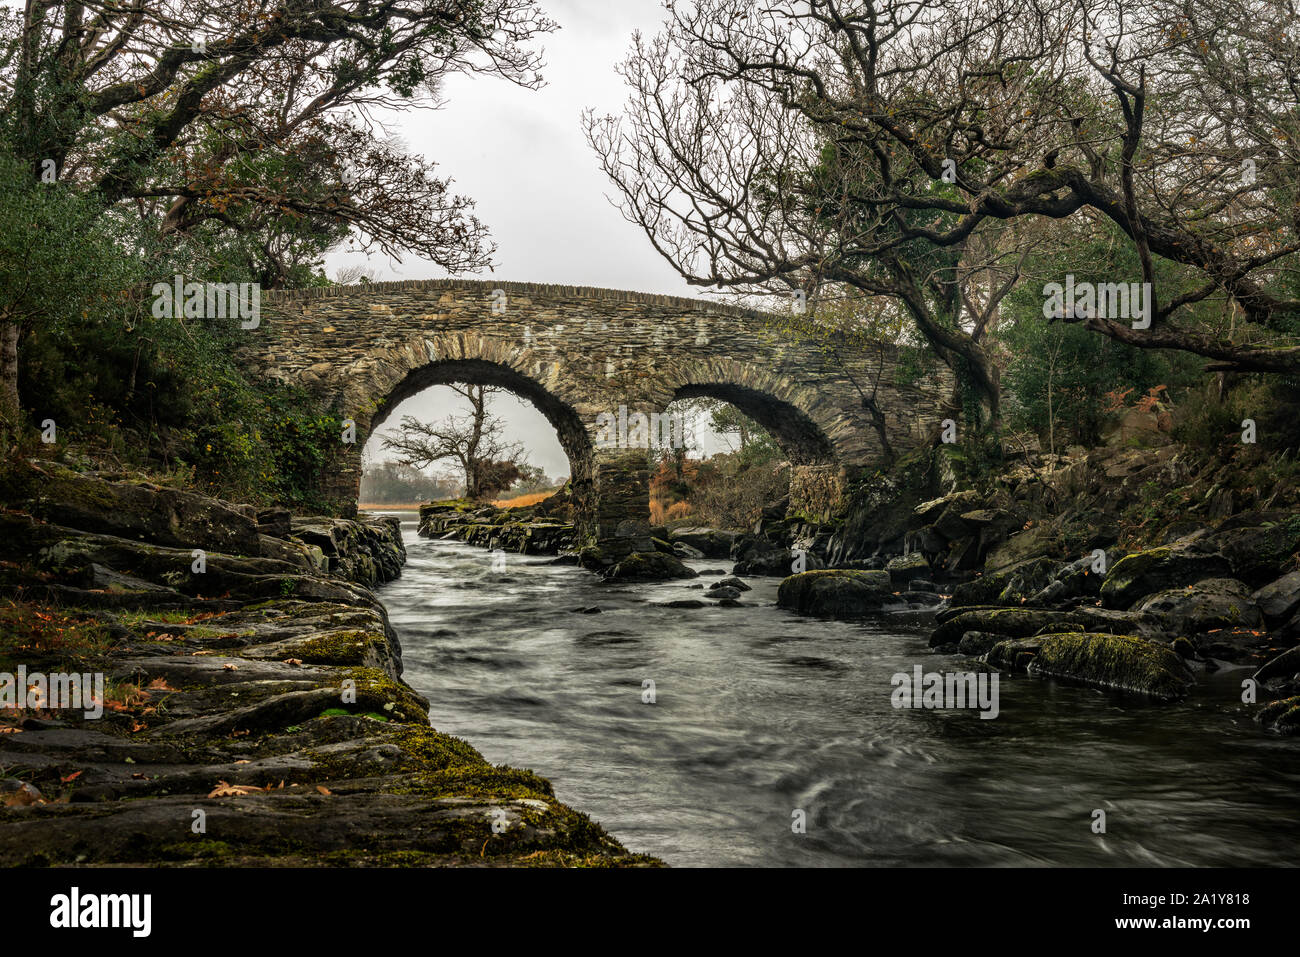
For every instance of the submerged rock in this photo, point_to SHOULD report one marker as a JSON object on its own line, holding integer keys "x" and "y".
{"x": 730, "y": 582}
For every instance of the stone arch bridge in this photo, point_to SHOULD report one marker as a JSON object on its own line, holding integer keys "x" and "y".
{"x": 578, "y": 352}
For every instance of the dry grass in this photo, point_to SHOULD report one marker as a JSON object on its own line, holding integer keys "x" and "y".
{"x": 523, "y": 500}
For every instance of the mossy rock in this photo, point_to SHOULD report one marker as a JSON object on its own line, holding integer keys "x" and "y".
{"x": 978, "y": 642}
{"x": 1285, "y": 665}
{"x": 836, "y": 592}
{"x": 1157, "y": 569}
{"x": 1008, "y": 585}
{"x": 1282, "y": 716}
{"x": 1208, "y": 605}
{"x": 362, "y": 648}
{"x": 649, "y": 566}
{"x": 905, "y": 568}
{"x": 1118, "y": 662}
{"x": 1008, "y": 622}
{"x": 1258, "y": 554}
{"x": 1014, "y": 654}
{"x": 140, "y": 512}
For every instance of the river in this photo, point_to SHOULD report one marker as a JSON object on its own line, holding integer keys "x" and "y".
{"x": 759, "y": 713}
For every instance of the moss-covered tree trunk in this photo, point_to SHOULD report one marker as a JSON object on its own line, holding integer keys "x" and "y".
{"x": 9, "y": 405}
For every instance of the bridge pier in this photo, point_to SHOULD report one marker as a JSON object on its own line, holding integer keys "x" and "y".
{"x": 618, "y": 518}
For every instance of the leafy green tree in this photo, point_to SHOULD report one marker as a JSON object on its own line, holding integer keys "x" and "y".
{"x": 61, "y": 263}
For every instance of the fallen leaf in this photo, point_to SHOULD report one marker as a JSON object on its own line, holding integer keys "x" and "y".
{"x": 226, "y": 789}
{"x": 70, "y": 777}
{"x": 323, "y": 789}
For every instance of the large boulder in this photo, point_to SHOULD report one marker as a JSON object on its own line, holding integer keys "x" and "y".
{"x": 1208, "y": 605}
{"x": 1008, "y": 586}
{"x": 836, "y": 593}
{"x": 1026, "y": 544}
{"x": 1280, "y": 599}
{"x": 1158, "y": 569}
{"x": 1119, "y": 662}
{"x": 1008, "y": 622}
{"x": 1257, "y": 552}
{"x": 1285, "y": 665}
{"x": 711, "y": 542}
{"x": 649, "y": 566}
{"x": 905, "y": 568}
{"x": 757, "y": 555}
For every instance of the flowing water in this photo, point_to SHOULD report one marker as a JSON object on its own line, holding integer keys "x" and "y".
{"x": 759, "y": 712}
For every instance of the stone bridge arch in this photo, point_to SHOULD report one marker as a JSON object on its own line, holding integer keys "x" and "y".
{"x": 575, "y": 353}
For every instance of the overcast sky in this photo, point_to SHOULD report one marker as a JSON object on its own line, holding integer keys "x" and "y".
{"x": 521, "y": 156}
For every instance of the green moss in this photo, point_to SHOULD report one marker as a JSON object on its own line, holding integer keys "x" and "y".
{"x": 1128, "y": 569}
{"x": 340, "y": 648}
{"x": 481, "y": 781}
{"x": 377, "y": 692}
{"x": 434, "y": 750}
{"x": 1282, "y": 716}
{"x": 1121, "y": 662}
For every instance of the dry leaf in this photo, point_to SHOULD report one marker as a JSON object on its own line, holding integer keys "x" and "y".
{"x": 323, "y": 789}
{"x": 295, "y": 662}
{"x": 70, "y": 777}
{"x": 225, "y": 789}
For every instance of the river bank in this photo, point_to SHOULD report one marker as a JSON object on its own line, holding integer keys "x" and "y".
{"x": 253, "y": 710}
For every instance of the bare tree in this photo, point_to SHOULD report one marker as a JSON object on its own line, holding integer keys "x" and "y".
{"x": 780, "y": 145}
{"x": 473, "y": 440}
